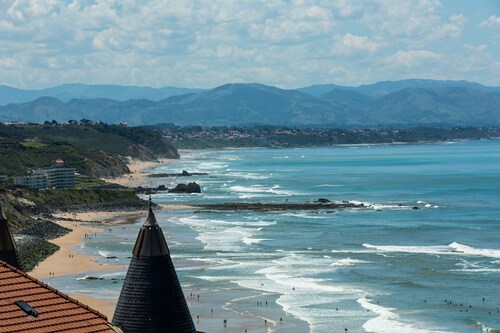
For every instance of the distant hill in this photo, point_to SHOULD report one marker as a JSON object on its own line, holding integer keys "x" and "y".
{"x": 457, "y": 106}
{"x": 66, "y": 92}
{"x": 320, "y": 89}
{"x": 383, "y": 88}
{"x": 352, "y": 99}
{"x": 247, "y": 104}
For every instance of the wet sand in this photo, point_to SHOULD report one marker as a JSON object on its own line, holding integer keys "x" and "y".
{"x": 66, "y": 260}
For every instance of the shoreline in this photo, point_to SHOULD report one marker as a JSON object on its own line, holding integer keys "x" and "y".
{"x": 394, "y": 143}
{"x": 137, "y": 175}
{"x": 217, "y": 300}
{"x": 67, "y": 260}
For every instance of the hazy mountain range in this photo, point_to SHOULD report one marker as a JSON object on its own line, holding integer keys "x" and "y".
{"x": 67, "y": 92}
{"x": 389, "y": 103}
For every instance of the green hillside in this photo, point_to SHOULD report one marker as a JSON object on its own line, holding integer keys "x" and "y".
{"x": 97, "y": 150}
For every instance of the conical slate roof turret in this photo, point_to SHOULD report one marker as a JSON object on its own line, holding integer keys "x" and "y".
{"x": 8, "y": 248}
{"x": 150, "y": 241}
{"x": 151, "y": 299}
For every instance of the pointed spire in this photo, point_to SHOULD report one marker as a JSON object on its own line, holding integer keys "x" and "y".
{"x": 7, "y": 242}
{"x": 2, "y": 214}
{"x": 151, "y": 218}
{"x": 8, "y": 248}
{"x": 151, "y": 299}
{"x": 150, "y": 241}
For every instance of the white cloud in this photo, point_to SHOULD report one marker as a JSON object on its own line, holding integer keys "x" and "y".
{"x": 413, "y": 58}
{"x": 418, "y": 21}
{"x": 492, "y": 22}
{"x": 351, "y": 44}
{"x": 288, "y": 43}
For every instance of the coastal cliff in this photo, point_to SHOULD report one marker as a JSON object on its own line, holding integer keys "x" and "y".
{"x": 93, "y": 149}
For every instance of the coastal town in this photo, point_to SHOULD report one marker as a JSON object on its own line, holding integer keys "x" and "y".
{"x": 202, "y": 137}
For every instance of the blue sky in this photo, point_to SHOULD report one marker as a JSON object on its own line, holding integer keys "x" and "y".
{"x": 283, "y": 43}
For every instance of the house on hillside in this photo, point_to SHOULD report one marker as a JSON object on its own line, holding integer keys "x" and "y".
{"x": 55, "y": 176}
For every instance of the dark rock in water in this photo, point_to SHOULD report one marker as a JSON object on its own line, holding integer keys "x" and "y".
{"x": 93, "y": 278}
{"x": 184, "y": 173}
{"x": 186, "y": 188}
{"x": 193, "y": 188}
{"x": 112, "y": 257}
{"x": 323, "y": 200}
{"x": 162, "y": 188}
{"x": 415, "y": 207}
{"x": 180, "y": 188}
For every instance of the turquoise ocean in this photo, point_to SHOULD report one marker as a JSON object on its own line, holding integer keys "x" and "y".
{"x": 387, "y": 268}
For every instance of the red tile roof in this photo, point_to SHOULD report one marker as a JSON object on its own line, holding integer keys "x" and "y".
{"x": 57, "y": 312}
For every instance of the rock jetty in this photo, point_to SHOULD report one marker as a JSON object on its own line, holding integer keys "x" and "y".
{"x": 257, "y": 206}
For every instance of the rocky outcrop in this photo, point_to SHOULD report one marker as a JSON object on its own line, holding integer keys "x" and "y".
{"x": 257, "y": 206}
{"x": 186, "y": 188}
{"x": 140, "y": 152}
{"x": 108, "y": 166}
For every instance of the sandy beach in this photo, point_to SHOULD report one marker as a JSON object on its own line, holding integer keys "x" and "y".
{"x": 67, "y": 260}
{"x": 209, "y": 310}
{"x": 138, "y": 177}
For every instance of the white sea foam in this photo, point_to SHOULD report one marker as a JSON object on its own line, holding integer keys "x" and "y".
{"x": 212, "y": 165}
{"x": 248, "y": 240}
{"x": 275, "y": 189}
{"x": 202, "y": 224}
{"x": 213, "y": 278}
{"x": 478, "y": 270}
{"x": 484, "y": 328}
{"x": 228, "y": 240}
{"x": 451, "y": 249}
{"x": 230, "y": 158}
{"x": 305, "y": 215}
{"x": 475, "y": 267}
{"x": 378, "y": 206}
{"x": 349, "y": 262}
{"x": 247, "y": 175}
{"x": 389, "y": 322}
{"x": 113, "y": 275}
{"x": 328, "y": 185}
{"x": 250, "y": 189}
{"x": 104, "y": 254}
{"x": 221, "y": 235}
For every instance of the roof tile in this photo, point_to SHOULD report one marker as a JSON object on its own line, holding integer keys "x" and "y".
{"x": 56, "y": 311}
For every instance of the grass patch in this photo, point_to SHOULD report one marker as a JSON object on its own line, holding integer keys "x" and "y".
{"x": 33, "y": 144}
